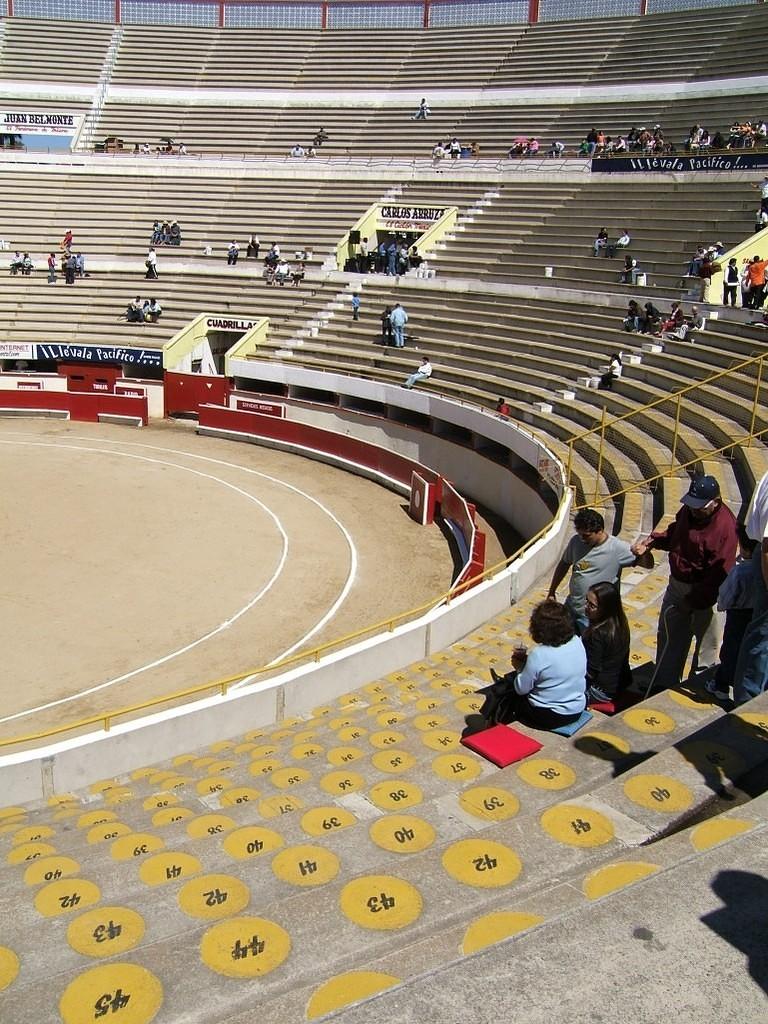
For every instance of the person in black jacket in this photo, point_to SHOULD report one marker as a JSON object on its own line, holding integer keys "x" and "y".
{"x": 606, "y": 641}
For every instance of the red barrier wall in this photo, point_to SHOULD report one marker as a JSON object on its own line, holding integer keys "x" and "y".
{"x": 187, "y": 392}
{"x": 94, "y": 379}
{"x": 362, "y": 453}
{"x": 84, "y": 407}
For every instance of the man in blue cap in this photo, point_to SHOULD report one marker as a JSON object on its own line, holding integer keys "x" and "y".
{"x": 702, "y": 543}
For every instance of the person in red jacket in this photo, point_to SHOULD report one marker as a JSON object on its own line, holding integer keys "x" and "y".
{"x": 702, "y": 543}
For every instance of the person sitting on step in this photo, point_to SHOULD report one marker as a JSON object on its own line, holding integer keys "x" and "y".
{"x": 606, "y": 642}
{"x": 546, "y": 687}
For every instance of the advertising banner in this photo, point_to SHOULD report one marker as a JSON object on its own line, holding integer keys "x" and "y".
{"x": 409, "y": 218}
{"x": 735, "y": 160}
{"x": 16, "y": 350}
{"x": 152, "y": 357}
{"x": 38, "y": 122}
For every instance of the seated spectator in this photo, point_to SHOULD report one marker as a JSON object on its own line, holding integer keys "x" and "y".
{"x": 695, "y": 262}
{"x": 634, "y": 317}
{"x": 583, "y": 149}
{"x": 718, "y": 142}
{"x": 27, "y": 266}
{"x": 298, "y": 275}
{"x": 606, "y": 643}
{"x": 145, "y": 147}
{"x": 415, "y": 259}
{"x": 591, "y": 140}
{"x": 320, "y": 137}
{"x": 253, "y": 247}
{"x": 621, "y": 243}
{"x": 66, "y": 242}
{"x": 311, "y": 153}
{"x": 17, "y": 262}
{"x": 556, "y": 150}
{"x": 612, "y": 373}
{"x": 673, "y": 320}
{"x": 134, "y": 313}
{"x": 601, "y": 242}
{"x": 546, "y": 687}
{"x": 651, "y": 319}
{"x": 697, "y": 323}
{"x": 628, "y": 273}
{"x": 152, "y": 311}
{"x": 282, "y": 271}
{"x": 474, "y": 149}
{"x": 156, "y": 234}
{"x": 182, "y": 149}
{"x": 297, "y": 151}
{"x": 424, "y": 372}
{"x": 269, "y": 273}
{"x": 165, "y": 233}
{"x": 532, "y": 149}
{"x": 693, "y": 141}
{"x": 619, "y": 145}
{"x": 273, "y": 256}
{"x": 174, "y": 235}
{"x": 503, "y": 408}
{"x": 233, "y": 251}
{"x": 423, "y": 112}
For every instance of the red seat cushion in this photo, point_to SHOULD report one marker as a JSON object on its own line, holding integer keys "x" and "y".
{"x": 502, "y": 745}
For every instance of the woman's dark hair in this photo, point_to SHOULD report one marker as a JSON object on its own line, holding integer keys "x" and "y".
{"x": 551, "y": 624}
{"x": 611, "y": 620}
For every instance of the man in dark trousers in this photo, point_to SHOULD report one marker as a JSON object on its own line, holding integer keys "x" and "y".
{"x": 702, "y": 543}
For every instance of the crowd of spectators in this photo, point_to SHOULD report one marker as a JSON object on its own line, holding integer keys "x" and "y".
{"x": 581, "y": 657}
{"x": 165, "y": 233}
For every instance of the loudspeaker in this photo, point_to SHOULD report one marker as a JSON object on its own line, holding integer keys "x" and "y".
{"x": 354, "y": 238}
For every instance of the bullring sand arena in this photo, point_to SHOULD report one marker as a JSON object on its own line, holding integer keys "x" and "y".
{"x": 155, "y": 561}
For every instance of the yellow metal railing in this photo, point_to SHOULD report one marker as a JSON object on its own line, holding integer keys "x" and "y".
{"x": 107, "y": 718}
{"x": 600, "y": 431}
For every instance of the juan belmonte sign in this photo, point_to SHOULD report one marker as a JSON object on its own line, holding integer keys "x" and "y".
{"x": 742, "y": 160}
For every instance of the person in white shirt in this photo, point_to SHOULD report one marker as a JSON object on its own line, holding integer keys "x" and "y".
{"x": 424, "y": 372}
{"x": 750, "y": 677}
{"x": 621, "y": 242}
{"x": 282, "y": 271}
{"x": 297, "y": 151}
{"x": 151, "y": 264}
{"x": 233, "y": 251}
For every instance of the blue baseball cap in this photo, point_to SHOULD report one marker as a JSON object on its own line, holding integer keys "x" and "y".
{"x": 703, "y": 489}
